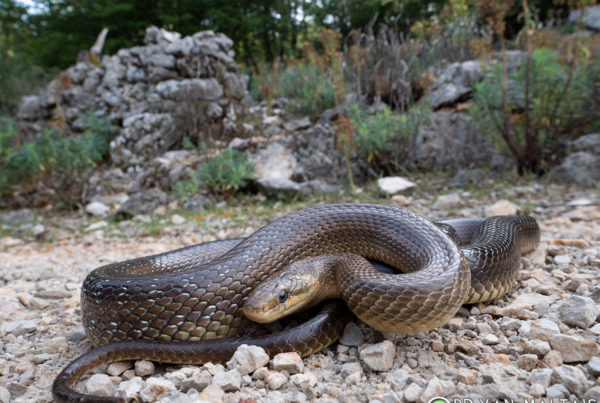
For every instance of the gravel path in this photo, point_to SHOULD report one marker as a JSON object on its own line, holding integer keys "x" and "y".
{"x": 539, "y": 341}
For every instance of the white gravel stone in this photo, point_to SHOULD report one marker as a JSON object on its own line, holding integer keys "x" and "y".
{"x": 4, "y": 395}
{"x": 434, "y": 388}
{"x": 155, "y": 387}
{"x": 537, "y": 347}
{"x": 574, "y": 348}
{"x": 176, "y": 219}
{"x": 592, "y": 394}
{"x": 448, "y": 201}
{"x": 229, "y": 381}
{"x": 489, "y": 339}
{"x": 144, "y": 368}
{"x": 96, "y": 226}
{"x": 18, "y": 328}
{"x": 350, "y": 368}
{"x": 502, "y": 207}
{"x": 467, "y": 376}
{"x": 594, "y": 366}
{"x": 97, "y": 209}
{"x": 537, "y": 390}
{"x": 380, "y": 356}
{"x": 200, "y": 379}
{"x": 352, "y": 335}
{"x": 290, "y": 362}
{"x": 557, "y": 392}
{"x": 100, "y": 385}
{"x": 562, "y": 260}
{"x": 413, "y": 392}
{"x": 212, "y": 394}
{"x": 578, "y": 311}
{"x": 543, "y": 329}
{"x": 571, "y": 378}
{"x": 303, "y": 381}
{"x": 391, "y": 185}
{"x": 527, "y": 361}
{"x": 275, "y": 380}
{"x": 117, "y": 368}
{"x": 248, "y": 359}
{"x": 131, "y": 389}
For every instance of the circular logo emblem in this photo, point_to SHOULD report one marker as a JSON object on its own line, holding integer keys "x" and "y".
{"x": 438, "y": 400}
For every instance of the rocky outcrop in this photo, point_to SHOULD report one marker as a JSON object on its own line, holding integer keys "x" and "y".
{"x": 590, "y": 18}
{"x": 583, "y": 164}
{"x": 169, "y": 87}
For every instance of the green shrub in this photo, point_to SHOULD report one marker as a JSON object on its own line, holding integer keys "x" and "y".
{"x": 385, "y": 139}
{"x": 226, "y": 174}
{"x": 528, "y": 110}
{"x": 309, "y": 89}
{"x": 60, "y": 163}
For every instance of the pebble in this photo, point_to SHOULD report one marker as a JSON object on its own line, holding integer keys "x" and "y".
{"x": 199, "y": 380}
{"x": 155, "y": 387}
{"x": 434, "y": 388}
{"x": 248, "y": 359}
{"x": 594, "y": 366}
{"x": 4, "y": 395}
{"x": 447, "y": 201}
{"x": 144, "y": 368}
{"x": 290, "y": 362}
{"x": 527, "y": 361}
{"x": 502, "y": 207}
{"x": 352, "y": 335}
{"x": 228, "y": 381}
{"x": 543, "y": 329}
{"x": 276, "y": 380}
{"x": 537, "y": 390}
{"x": 571, "y": 378}
{"x": 18, "y": 328}
{"x": 537, "y": 347}
{"x": 303, "y": 381}
{"x": 176, "y": 219}
{"x": 117, "y": 368}
{"x": 553, "y": 359}
{"x": 380, "y": 356}
{"x": 557, "y": 392}
{"x": 100, "y": 385}
{"x": 467, "y": 376}
{"x": 574, "y": 348}
{"x": 413, "y": 392}
{"x": 578, "y": 311}
{"x": 391, "y": 185}
{"x": 489, "y": 339}
{"x": 131, "y": 389}
{"x": 97, "y": 209}
{"x": 592, "y": 394}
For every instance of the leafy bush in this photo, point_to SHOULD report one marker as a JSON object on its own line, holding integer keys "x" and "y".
{"x": 385, "y": 139}
{"x": 226, "y": 173}
{"x": 527, "y": 110}
{"x": 309, "y": 89}
{"x": 60, "y": 163}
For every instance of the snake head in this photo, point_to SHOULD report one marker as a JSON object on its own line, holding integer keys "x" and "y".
{"x": 290, "y": 290}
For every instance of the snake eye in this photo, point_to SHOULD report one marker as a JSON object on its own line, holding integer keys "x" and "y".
{"x": 283, "y": 296}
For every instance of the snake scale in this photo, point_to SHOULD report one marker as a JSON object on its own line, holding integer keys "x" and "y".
{"x": 158, "y": 307}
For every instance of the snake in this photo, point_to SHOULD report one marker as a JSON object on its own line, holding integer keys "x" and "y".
{"x": 186, "y": 306}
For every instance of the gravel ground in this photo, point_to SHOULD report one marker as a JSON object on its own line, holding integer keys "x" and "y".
{"x": 539, "y": 341}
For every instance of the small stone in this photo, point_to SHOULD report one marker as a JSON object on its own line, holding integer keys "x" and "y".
{"x": 412, "y": 392}
{"x": 543, "y": 329}
{"x": 527, "y": 361}
{"x": 434, "y": 388}
{"x": 298, "y": 124}
{"x": 275, "y": 380}
{"x": 553, "y": 359}
{"x": 199, "y": 380}
{"x": 290, "y": 362}
{"x": 97, "y": 209}
{"x": 18, "y": 328}
{"x": 574, "y": 348}
{"x": 100, "y": 385}
{"x": 401, "y": 200}
{"x": 303, "y": 381}
{"x": 489, "y": 339}
{"x": 448, "y": 201}
{"x": 537, "y": 347}
{"x": 96, "y": 226}
{"x": 176, "y": 219}
{"x": 131, "y": 389}
{"x": 593, "y": 394}
{"x": 4, "y": 395}
{"x": 228, "y": 381}
{"x": 352, "y": 335}
{"x": 467, "y": 346}
{"x": 594, "y": 366}
{"x": 562, "y": 259}
{"x": 213, "y": 368}
{"x": 578, "y": 311}
{"x": 32, "y": 302}
{"x": 117, "y": 368}
{"x": 380, "y": 356}
{"x": 350, "y": 368}
{"x": 248, "y": 359}
{"x": 391, "y": 185}
{"x": 571, "y": 378}
{"x": 154, "y": 387}
{"x": 144, "y": 368}
{"x": 467, "y": 376}
{"x": 502, "y": 207}
{"x": 557, "y": 392}
{"x": 38, "y": 230}
{"x": 537, "y": 390}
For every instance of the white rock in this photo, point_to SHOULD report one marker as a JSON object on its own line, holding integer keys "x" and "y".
{"x": 537, "y": 347}
{"x": 212, "y": 394}
{"x": 248, "y": 359}
{"x": 18, "y": 328}
{"x": 578, "y": 311}
{"x": 303, "y": 381}
{"x": 502, "y": 207}
{"x": 199, "y": 380}
{"x": 290, "y": 362}
{"x": 537, "y": 390}
{"x": 97, "y": 209}
{"x": 574, "y": 348}
{"x": 391, "y": 185}
{"x": 562, "y": 260}
{"x": 38, "y": 230}
{"x": 350, "y": 368}
{"x": 434, "y": 388}
{"x": 144, "y": 368}
{"x": 380, "y": 356}
{"x": 571, "y": 378}
{"x": 131, "y": 389}
{"x": 117, "y": 368}
{"x": 352, "y": 335}
{"x": 489, "y": 339}
{"x": 100, "y": 385}
{"x": 543, "y": 329}
{"x": 4, "y": 395}
{"x": 413, "y": 392}
{"x": 276, "y": 380}
{"x": 96, "y": 226}
{"x": 177, "y": 219}
{"x": 228, "y": 381}
{"x": 448, "y": 201}
{"x": 155, "y": 387}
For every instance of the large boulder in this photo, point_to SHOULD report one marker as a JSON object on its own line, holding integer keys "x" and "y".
{"x": 455, "y": 83}
{"x": 590, "y": 18}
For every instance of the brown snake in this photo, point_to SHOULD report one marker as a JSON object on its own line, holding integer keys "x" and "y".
{"x": 163, "y": 304}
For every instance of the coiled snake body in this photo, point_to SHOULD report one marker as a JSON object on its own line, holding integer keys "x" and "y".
{"x": 197, "y": 293}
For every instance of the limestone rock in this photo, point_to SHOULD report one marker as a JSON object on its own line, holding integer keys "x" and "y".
{"x": 248, "y": 359}
{"x": 502, "y": 207}
{"x": 380, "y": 356}
{"x": 578, "y": 311}
{"x": 574, "y": 348}
{"x": 455, "y": 83}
